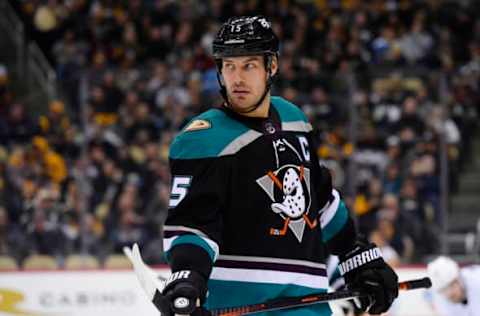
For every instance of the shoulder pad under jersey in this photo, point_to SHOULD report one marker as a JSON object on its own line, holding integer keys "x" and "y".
{"x": 211, "y": 134}
{"x": 292, "y": 117}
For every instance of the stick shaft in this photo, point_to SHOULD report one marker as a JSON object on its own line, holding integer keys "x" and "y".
{"x": 291, "y": 302}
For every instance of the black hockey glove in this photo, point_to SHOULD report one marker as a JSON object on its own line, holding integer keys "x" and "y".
{"x": 364, "y": 270}
{"x": 184, "y": 293}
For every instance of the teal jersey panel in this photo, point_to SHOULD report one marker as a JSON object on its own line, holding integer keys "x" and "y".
{"x": 233, "y": 293}
{"x": 194, "y": 240}
{"x": 336, "y": 224}
{"x": 288, "y": 111}
{"x": 208, "y": 141}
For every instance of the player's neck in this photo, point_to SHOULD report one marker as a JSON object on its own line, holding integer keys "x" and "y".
{"x": 262, "y": 110}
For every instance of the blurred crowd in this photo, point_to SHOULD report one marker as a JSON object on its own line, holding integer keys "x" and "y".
{"x": 388, "y": 85}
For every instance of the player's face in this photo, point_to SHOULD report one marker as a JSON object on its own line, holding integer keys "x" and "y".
{"x": 454, "y": 292}
{"x": 245, "y": 79}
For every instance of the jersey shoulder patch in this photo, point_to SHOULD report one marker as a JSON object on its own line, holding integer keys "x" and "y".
{"x": 292, "y": 116}
{"x": 210, "y": 134}
{"x": 196, "y": 125}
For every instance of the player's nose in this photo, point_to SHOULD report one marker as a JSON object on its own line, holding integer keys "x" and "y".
{"x": 238, "y": 78}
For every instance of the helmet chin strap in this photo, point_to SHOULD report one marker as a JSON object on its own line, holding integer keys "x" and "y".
{"x": 223, "y": 89}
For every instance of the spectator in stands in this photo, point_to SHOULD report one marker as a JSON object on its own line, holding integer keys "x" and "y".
{"x": 13, "y": 241}
{"x": 324, "y": 110}
{"x": 113, "y": 94}
{"x": 389, "y": 253}
{"x": 143, "y": 128}
{"x": 386, "y": 47}
{"x": 394, "y": 227}
{"x": 104, "y": 110}
{"x": 155, "y": 215}
{"x": 367, "y": 203}
{"x": 410, "y": 125}
{"x": 465, "y": 115}
{"x": 410, "y": 202}
{"x": 52, "y": 164}
{"x": 18, "y": 124}
{"x": 43, "y": 227}
{"x": 7, "y": 242}
{"x": 55, "y": 123}
{"x": 128, "y": 231}
{"x": 393, "y": 179}
{"x": 71, "y": 56}
{"x": 5, "y": 95}
{"x": 416, "y": 44}
{"x": 423, "y": 169}
{"x": 83, "y": 233}
{"x": 107, "y": 179}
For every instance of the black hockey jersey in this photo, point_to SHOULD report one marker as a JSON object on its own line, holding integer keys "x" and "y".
{"x": 251, "y": 193}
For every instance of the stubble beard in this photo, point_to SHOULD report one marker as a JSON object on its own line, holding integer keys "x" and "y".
{"x": 244, "y": 108}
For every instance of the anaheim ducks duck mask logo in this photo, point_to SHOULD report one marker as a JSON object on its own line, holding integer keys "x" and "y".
{"x": 289, "y": 189}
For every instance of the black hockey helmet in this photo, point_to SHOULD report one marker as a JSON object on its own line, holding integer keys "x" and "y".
{"x": 245, "y": 36}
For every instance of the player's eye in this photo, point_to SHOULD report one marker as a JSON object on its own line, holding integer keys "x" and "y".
{"x": 229, "y": 67}
{"x": 249, "y": 66}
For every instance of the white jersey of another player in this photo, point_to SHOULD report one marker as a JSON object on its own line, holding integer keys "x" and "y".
{"x": 456, "y": 290}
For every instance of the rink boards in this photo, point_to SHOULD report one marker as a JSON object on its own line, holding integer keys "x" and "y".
{"x": 117, "y": 293}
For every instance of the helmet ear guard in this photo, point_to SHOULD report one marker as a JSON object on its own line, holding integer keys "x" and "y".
{"x": 223, "y": 89}
{"x": 268, "y": 59}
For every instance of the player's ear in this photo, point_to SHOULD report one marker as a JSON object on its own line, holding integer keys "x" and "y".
{"x": 274, "y": 66}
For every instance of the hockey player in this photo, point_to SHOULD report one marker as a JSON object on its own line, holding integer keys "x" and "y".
{"x": 253, "y": 216}
{"x": 456, "y": 290}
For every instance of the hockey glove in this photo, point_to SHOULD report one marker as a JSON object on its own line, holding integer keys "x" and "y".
{"x": 365, "y": 270}
{"x": 182, "y": 293}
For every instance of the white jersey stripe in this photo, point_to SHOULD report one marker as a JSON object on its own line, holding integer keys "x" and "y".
{"x": 297, "y": 126}
{"x": 268, "y": 276}
{"x": 273, "y": 260}
{"x": 240, "y": 142}
{"x": 329, "y": 211}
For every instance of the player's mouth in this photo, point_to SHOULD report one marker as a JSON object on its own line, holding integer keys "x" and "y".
{"x": 240, "y": 92}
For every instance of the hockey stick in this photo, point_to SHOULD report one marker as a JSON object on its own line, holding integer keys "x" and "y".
{"x": 150, "y": 281}
{"x": 297, "y": 301}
